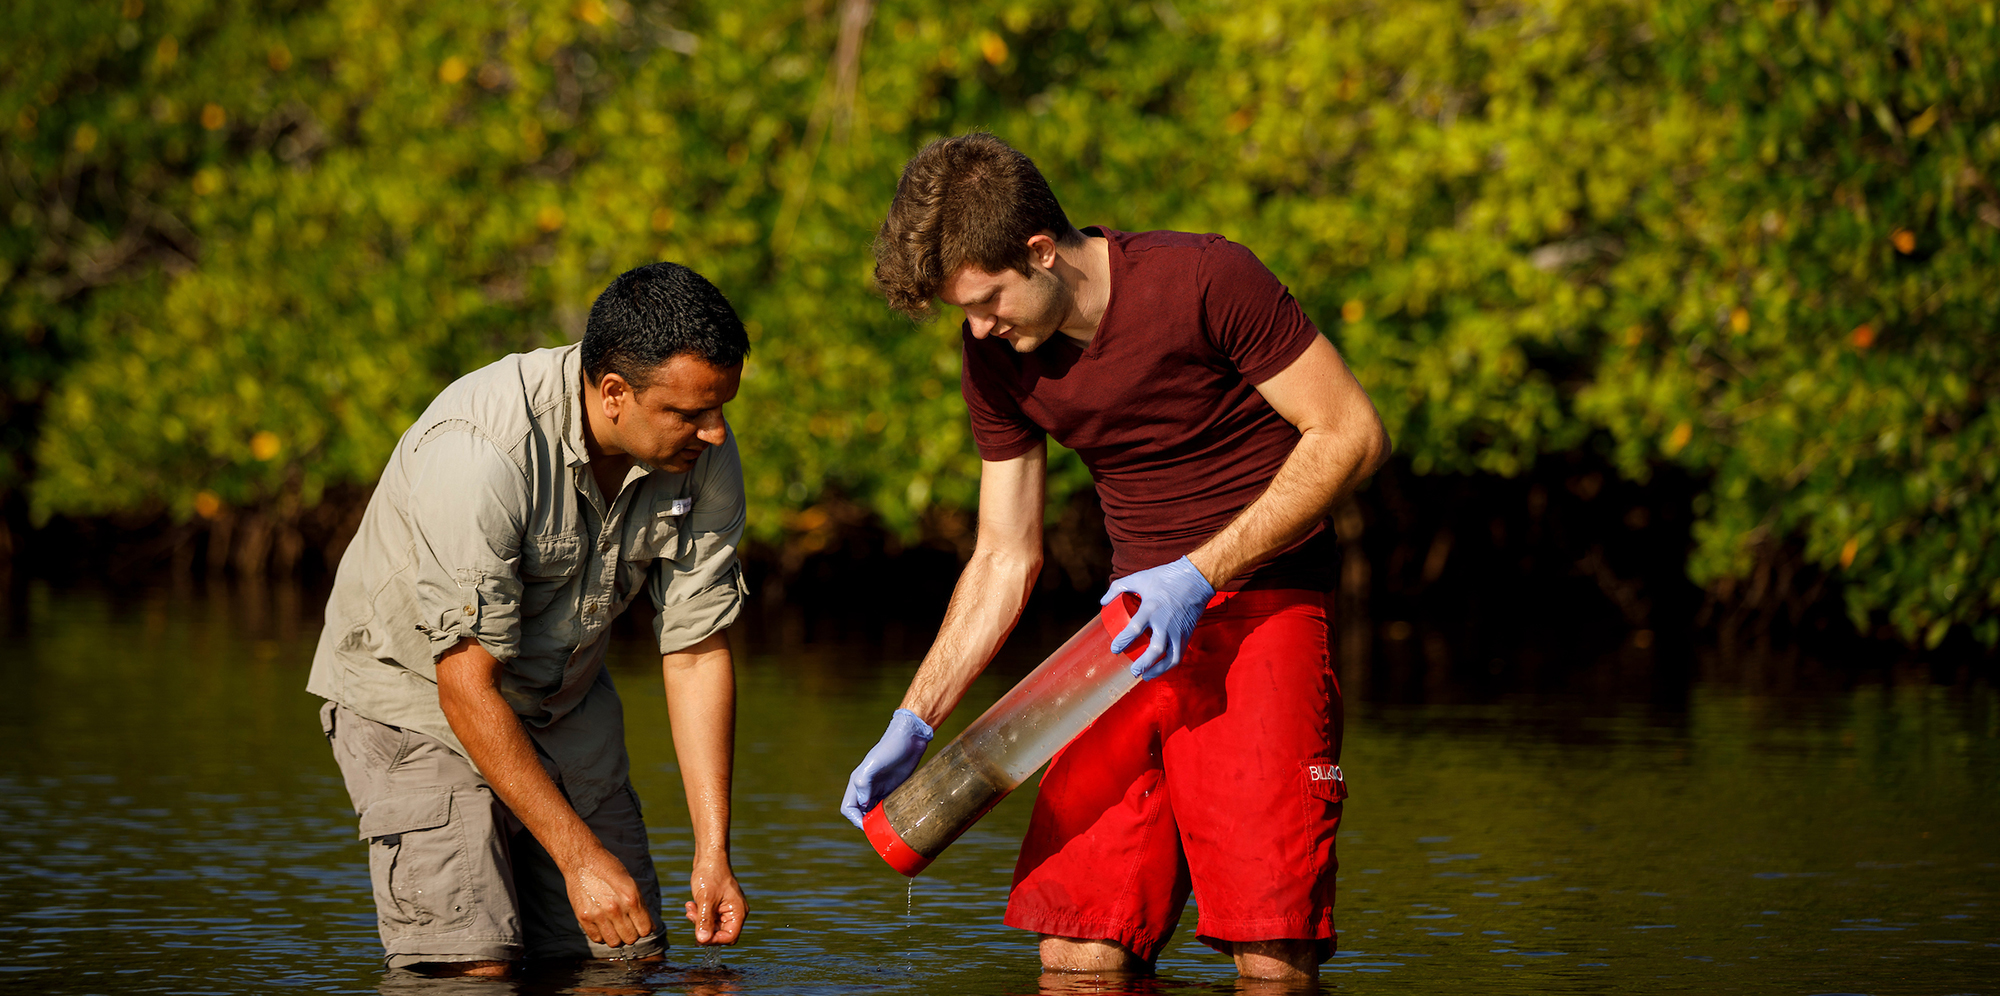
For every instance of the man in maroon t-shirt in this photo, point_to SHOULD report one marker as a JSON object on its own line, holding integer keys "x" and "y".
{"x": 1221, "y": 428}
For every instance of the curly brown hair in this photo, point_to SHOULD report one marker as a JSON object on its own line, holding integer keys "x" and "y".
{"x": 966, "y": 199}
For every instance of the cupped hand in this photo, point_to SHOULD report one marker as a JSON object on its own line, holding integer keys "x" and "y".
{"x": 717, "y": 909}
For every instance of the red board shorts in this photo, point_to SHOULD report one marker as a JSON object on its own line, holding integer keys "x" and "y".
{"x": 1219, "y": 777}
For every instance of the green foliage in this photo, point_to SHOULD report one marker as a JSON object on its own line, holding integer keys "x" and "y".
{"x": 248, "y": 243}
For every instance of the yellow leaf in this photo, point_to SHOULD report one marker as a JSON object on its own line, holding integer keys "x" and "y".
{"x": 279, "y": 57}
{"x": 592, "y": 11}
{"x": 663, "y": 219}
{"x": 264, "y": 445}
{"x": 1924, "y": 122}
{"x": 1848, "y": 551}
{"x": 1352, "y": 311}
{"x": 1678, "y": 439}
{"x": 549, "y": 218}
{"x": 1739, "y": 320}
{"x": 453, "y": 70}
{"x": 207, "y": 505}
{"x": 1863, "y": 336}
{"x": 86, "y": 138}
{"x": 213, "y": 117}
{"x": 993, "y": 47}
{"x": 1904, "y": 240}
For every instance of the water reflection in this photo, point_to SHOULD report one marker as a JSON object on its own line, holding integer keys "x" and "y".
{"x": 171, "y": 822}
{"x": 566, "y": 978}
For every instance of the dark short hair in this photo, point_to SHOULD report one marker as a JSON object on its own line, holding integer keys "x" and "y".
{"x": 654, "y": 313}
{"x": 968, "y": 199}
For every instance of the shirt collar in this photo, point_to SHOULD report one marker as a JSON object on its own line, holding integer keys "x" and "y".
{"x": 572, "y": 407}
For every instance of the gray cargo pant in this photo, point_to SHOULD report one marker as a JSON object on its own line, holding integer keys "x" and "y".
{"x": 456, "y": 875}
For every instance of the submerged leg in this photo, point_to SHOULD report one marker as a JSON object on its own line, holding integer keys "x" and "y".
{"x": 1095, "y": 957}
{"x": 1277, "y": 961}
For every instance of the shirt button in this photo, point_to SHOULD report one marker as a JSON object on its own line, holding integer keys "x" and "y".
{"x": 468, "y": 610}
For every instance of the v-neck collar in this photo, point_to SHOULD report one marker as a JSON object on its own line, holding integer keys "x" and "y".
{"x": 1113, "y": 260}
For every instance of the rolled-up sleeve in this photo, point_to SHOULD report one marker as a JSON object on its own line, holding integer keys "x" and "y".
{"x": 702, "y": 591}
{"x": 468, "y": 505}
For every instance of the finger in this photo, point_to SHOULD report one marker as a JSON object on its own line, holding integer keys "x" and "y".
{"x": 703, "y": 915}
{"x": 850, "y": 806}
{"x": 1142, "y": 666}
{"x": 730, "y": 922}
{"x": 1117, "y": 588}
{"x": 625, "y": 927}
{"x": 642, "y": 920}
{"x": 1130, "y": 632}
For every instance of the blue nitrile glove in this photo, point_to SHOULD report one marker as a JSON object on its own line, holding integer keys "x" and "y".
{"x": 1171, "y": 597}
{"x": 888, "y": 765}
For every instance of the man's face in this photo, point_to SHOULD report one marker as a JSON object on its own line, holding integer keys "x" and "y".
{"x": 1024, "y": 309}
{"x": 678, "y": 414}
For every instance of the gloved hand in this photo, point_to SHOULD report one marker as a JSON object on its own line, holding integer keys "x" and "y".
{"x": 887, "y": 766}
{"x": 1171, "y": 597}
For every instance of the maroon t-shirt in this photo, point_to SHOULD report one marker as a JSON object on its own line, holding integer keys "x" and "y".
{"x": 1162, "y": 403}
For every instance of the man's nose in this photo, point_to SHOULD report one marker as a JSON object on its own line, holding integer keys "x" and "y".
{"x": 982, "y": 326}
{"x": 713, "y": 430}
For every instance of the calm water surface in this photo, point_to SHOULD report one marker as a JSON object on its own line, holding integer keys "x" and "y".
{"x": 172, "y": 822}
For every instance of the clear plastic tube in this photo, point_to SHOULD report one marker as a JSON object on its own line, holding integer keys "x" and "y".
{"x": 1006, "y": 744}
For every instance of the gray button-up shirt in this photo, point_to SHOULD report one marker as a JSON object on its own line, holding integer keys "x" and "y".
{"x": 488, "y": 524}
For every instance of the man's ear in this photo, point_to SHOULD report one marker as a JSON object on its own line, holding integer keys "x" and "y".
{"x": 1042, "y": 249}
{"x": 614, "y": 393}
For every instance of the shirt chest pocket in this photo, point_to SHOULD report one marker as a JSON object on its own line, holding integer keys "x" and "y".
{"x": 655, "y": 537}
{"x": 548, "y": 563}
{"x": 662, "y": 536}
{"x": 550, "y": 557}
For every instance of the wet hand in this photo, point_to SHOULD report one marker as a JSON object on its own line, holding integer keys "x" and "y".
{"x": 717, "y": 909}
{"x": 887, "y": 765}
{"x": 606, "y": 900}
{"x": 1171, "y": 599}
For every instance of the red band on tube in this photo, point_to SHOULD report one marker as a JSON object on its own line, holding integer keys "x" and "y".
{"x": 889, "y": 844}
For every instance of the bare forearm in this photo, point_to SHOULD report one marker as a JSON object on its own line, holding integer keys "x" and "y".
{"x": 1322, "y": 469}
{"x": 499, "y": 746}
{"x": 985, "y": 605}
{"x": 701, "y": 705}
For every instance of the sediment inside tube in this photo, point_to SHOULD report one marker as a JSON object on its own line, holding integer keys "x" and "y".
{"x": 942, "y": 799}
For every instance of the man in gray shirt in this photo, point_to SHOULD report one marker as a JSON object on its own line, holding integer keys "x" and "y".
{"x": 468, "y": 706}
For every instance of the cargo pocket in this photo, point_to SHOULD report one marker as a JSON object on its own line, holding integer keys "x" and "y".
{"x": 1325, "y": 789}
{"x": 418, "y": 862}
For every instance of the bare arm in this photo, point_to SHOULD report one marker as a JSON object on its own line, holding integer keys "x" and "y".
{"x": 601, "y": 891}
{"x": 993, "y": 589}
{"x": 701, "y": 705}
{"x": 1341, "y": 442}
